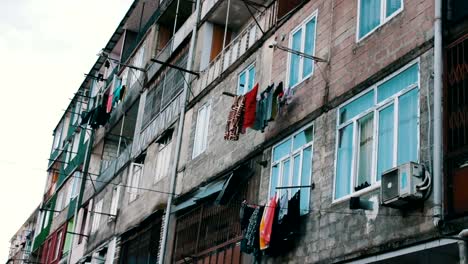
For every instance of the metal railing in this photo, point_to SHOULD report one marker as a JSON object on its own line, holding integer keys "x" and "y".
{"x": 242, "y": 43}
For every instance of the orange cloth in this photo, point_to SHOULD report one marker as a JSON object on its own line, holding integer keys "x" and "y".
{"x": 266, "y": 225}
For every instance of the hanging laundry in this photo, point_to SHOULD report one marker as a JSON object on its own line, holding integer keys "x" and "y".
{"x": 234, "y": 122}
{"x": 283, "y": 207}
{"x": 245, "y": 213}
{"x": 250, "y": 241}
{"x": 289, "y": 225}
{"x": 264, "y": 105}
{"x": 250, "y": 108}
{"x": 109, "y": 103}
{"x": 116, "y": 95}
{"x": 123, "y": 90}
{"x": 266, "y": 225}
{"x": 99, "y": 117}
{"x": 278, "y": 93}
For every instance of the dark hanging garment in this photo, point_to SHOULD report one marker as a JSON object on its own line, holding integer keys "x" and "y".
{"x": 277, "y": 94}
{"x": 250, "y": 109}
{"x": 234, "y": 122}
{"x": 123, "y": 90}
{"x": 86, "y": 116}
{"x": 100, "y": 117}
{"x": 250, "y": 243}
{"x": 263, "y": 111}
{"x": 283, "y": 207}
{"x": 245, "y": 214}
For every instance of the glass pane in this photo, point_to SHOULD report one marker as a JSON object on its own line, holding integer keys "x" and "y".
{"x": 274, "y": 180}
{"x": 294, "y": 66}
{"x": 296, "y": 174}
{"x": 357, "y": 106}
{"x": 309, "y": 47}
{"x": 251, "y": 78}
{"x": 303, "y": 138}
{"x": 397, "y": 83}
{"x": 285, "y": 177}
{"x": 366, "y": 140}
{"x": 408, "y": 127}
{"x": 343, "y": 165}
{"x": 241, "y": 87}
{"x": 385, "y": 141}
{"x": 282, "y": 150}
{"x": 369, "y": 17}
{"x": 306, "y": 176}
{"x": 392, "y": 6}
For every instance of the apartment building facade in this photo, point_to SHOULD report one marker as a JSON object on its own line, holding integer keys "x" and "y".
{"x": 197, "y": 110}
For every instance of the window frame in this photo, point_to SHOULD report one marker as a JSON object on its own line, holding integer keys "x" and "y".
{"x": 133, "y": 187}
{"x": 301, "y": 26}
{"x": 163, "y": 158}
{"x": 292, "y": 154}
{"x": 383, "y": 18}
{"x": 375, "y": 109}
{"x": 115, "y": 201}
{"x": 207, "y": 116}
{"x": 97, "y": 209}
{"x": 246, "y": 71}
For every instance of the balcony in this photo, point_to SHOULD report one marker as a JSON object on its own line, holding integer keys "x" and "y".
{"x": 240, "y": 45}
{"x": 110, "y": 167}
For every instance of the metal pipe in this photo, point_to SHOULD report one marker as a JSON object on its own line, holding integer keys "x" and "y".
{"x": 462, "y": 248}
{"x": 180, "y": 128}
{"x": 120, "y": 136}
{"x": 437, "y": 148}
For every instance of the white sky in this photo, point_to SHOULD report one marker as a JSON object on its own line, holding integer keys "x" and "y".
{"x": 46, "y": 46}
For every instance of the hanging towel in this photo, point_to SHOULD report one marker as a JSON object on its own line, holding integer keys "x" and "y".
{"x": 234, "y": 122}
{"x": 109, "y": 103}
{"x": 266, "y": 225}
{"x": 116, "y": 96}
{"x": 250, "y": 108}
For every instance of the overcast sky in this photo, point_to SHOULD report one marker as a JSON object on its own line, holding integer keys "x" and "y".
{"x": 46, "y": 46}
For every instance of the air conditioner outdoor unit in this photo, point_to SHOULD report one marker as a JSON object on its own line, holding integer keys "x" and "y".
{"x": 399, "y": 185}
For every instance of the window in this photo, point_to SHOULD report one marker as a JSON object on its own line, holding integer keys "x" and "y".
{"x": 75, "y": 115}
{"x": 76, "y": 184}
{"x": 96, "y": 216}
{"x": 302, "y": 39}
{"x": 374, "y": 13}
{"x": 76, "y": 145}
{"x": 115, "y": 200}
{"x": 201, "y": 130}
{"x": 136, "y": 170}
{"x": 134, "y": 74}
{"x": 163, "y": 160}
{"x": 377, "y": 131}
{"x": 59, "y": 203}
{"x": 58, "y": 244}
{"x": 292, "y": 166}
{"x": 246, "y": 80}
{"x": 46, "y": 219}
{"x": 84, "y": 219}
{"x": 57, "y": 136}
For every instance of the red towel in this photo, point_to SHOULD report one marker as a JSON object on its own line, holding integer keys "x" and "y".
{"x": 250, "y": 108}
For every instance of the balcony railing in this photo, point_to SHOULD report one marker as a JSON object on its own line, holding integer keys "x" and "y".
{"x": 110, "y": 167}
{"x": 238, "y": 47}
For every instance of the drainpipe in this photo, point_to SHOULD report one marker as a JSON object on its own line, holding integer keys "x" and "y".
{"x": 180, "y": 128}
{"x": 462, "y": 248}
{"x": 437, "y": 148}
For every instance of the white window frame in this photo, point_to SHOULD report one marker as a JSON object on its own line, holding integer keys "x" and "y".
{"x": 58, "y": 242}
{"x": 75, "y": 146}
{"x": 246, "y": 71}
{"x": 45, "y": 222}
{"x": 134, "y": 182}
{"x": 163, "y": 159}
{"x": 96, "y": 216}
{"x": 292, "y": 154}
{"x": 76, "y": 184}
{"x": 302, "y": 26}
{"x": 375, "y": 109}
{"x": 383, "y": 18}
{"x": 115, "y": 201}
{"x": 201, "y": 133}
{"x": 57, "y": 136}
{"x": 59, "y": 202}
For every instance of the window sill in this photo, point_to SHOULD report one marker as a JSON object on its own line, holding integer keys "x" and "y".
{"x": 358, "y": 193}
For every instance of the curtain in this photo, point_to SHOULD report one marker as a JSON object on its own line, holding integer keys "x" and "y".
{"x": 392, "y": 6}
{"x": 309, "y": 47}
{"x": 366, "y": 140}
{"x": 345, "y": 155}
{"x": 295, "y": 59}
{"x": 385, "y": 149}
{"x": 369, "y": 16}
{"x": 408, "y": 127}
